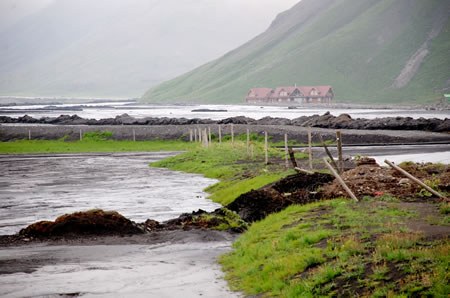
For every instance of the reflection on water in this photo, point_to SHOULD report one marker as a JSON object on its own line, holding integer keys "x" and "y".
{"x": 42, "y": 187}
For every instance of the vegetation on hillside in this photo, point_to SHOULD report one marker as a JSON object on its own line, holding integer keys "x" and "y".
{"x": 358, "y": 47}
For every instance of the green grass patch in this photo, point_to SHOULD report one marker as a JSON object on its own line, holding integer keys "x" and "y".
{"x": 337, "y": 248}
{"x": 91, "y": 144}
{"x": 237, "y": 171}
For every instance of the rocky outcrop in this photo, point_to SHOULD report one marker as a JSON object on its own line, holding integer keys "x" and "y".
{"x": 327, "y": 120}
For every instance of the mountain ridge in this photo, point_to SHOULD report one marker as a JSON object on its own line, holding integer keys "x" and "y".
{"x": 359, "y": 48}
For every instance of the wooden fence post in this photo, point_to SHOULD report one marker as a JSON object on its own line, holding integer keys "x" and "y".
{"x": 134, "y": 135}
{"x": 286, "y": 153}
{"x": 29, "y": 134}
{"x": 310, "y": 148}
{"x": 339, "y": 179}
{"x": 266, "y": 149}
{"x": 292, "y": 156}
{"x": 414, "y": 179}
{"x": 195, "y": 135}
{"x": 339, "y": 147}
{"x": 81, "y": 136}
{"x": 209, "y": 134}
{"x": 200, "y": 135}
{"x": 220, "y": 134}
{"x": 190, "y": 134}
{"x": 328, "y": 153}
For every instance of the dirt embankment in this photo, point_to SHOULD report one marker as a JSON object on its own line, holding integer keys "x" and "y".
{"x": 326, "y": 120}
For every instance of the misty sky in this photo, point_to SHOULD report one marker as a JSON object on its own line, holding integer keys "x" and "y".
{"x": 12, "y": 11}
{"x": 119, "y": 47}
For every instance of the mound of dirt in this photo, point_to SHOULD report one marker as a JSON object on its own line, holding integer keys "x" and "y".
{"x": 94, "y": 222}
{"x": 369, "y": 179}
{"x": 295, "y": 189}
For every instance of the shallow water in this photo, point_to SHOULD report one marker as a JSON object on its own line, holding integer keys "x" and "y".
{"x": 252, "y": 111}
{"x": 43, "y": 187}
{"x": 164, "y": 270}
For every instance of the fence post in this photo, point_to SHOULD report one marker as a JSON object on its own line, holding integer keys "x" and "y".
{"x": 266, "y": 147}
{"x": 414, "y": 179}
{"x": 29, "y": 134}
{"x": 310, "y": 148}
{"x": 220, "y": 134}
{"x": 339, "y": 147}
{"x": 209, "y": 134}
{"x": 190, "y": 134}
{"x": 339, "y": 179}
{"x": 81, "y": 136}
{"x": 286, "y": 153}
{"x": 200, "y": 135}
{"x": 195, "y": 135}
{"x": 328, "y": 153}
{"x": 134, "y": 135}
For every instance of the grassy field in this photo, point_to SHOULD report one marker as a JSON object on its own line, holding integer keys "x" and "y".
{"x": 44, "y": 146}
{"x": 340, "y": 248}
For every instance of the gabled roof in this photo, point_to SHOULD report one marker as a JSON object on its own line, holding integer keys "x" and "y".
{"x": 260, "y": 92}
{"x": 289, "y": 90}
{"x": 322, "y": 90}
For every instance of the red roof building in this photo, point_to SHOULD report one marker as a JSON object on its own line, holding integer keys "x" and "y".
{"x": 292, "y": 95}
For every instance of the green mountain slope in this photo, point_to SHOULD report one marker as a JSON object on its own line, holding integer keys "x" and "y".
{"x": 369, "y": 51}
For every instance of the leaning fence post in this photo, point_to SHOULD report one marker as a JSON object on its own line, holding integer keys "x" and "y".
{"x": 328, "y": 153}
{"x": 266, "y": 148}
{"x": 286, "y": 153}
{"x": 292, "y": 156}
{"x": 414, "y": 179}
{"x": 339, "y": 179}
{"x": 310, "y": 148}
{"x": 339, "y": 147}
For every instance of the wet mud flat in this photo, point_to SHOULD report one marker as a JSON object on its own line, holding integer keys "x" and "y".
{"x": 169, "y": 264}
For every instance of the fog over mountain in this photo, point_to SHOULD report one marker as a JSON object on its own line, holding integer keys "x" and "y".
{"x": 118, "y": 47}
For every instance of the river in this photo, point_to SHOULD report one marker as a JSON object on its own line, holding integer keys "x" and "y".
{"x": 112, "y": 109}
{"x": 42, "y": 187}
